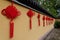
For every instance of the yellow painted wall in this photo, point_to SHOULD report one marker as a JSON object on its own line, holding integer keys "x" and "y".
{"x": 21, "y": 29}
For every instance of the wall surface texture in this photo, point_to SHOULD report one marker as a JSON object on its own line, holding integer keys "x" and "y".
{"x": 21, "y": 27}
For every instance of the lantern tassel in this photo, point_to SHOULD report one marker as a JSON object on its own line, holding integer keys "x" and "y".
{"x": 38, "y": 19}
{"x": 11, "y": 28}
{"x": 30, "y": 23}
{"x": 43, "y": 22}
{"x": 46, "y": 22}
{"x": 39, "y": 22}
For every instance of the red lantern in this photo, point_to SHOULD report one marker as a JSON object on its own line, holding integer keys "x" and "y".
{"x": 11, "y": 13}
{"x": 43, "y": 20}
{"x": 52, "y": 20}
{"x": 47, "y": 20}
{"x": 30, "y": 14}
{"x": 38, "y": 19}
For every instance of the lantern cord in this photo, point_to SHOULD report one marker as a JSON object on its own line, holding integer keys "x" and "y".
{"x": 12, "y": 3}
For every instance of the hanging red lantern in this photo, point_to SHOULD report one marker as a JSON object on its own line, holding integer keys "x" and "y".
{"x": 11, "y": 13}
{"x": 49, "y": 20}
{"x": 38, "y": 19}
{"x": 30, "y": 14}
{"x": 52, "y": 20}
{"x": 43, "y": 20}
{"x": 46, "y": 20}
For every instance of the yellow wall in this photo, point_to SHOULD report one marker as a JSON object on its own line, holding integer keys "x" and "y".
{"x": 21, "y": 29}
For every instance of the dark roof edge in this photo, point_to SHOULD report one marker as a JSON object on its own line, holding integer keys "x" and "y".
{"x": 34, "y": 6}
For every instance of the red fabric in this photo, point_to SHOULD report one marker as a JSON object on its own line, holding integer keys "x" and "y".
{"x": 38, "y": 19}
{"x": 30, "y": 14}
{"x": 43, "y": 20}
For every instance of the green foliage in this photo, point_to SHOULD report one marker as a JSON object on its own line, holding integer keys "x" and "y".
{"x": 49, "y": 5}
{"x": 57, "y": 24}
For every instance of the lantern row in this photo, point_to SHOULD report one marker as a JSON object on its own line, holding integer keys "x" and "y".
{"x": 11, "y": 13}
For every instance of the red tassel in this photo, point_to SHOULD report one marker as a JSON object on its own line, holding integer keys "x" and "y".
{"x": 11, "y": 28}
{"x": 38, "y": 19}
{"x": 51, "y": 20}
{"x": 39, "y": 22}
{"x": 43, "y": 23}
{"x": 47, "y": 19}
{"x": 30, "y": 23}
{"x": 43, "y": 20}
